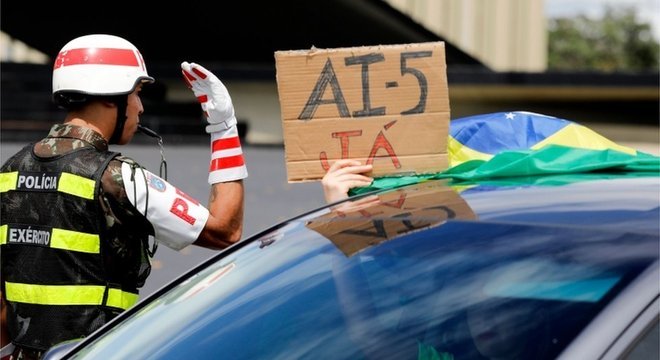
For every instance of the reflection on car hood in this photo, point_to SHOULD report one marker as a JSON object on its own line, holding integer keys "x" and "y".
{"x": 356, "y": 224}
{"x": 587, "y": 200}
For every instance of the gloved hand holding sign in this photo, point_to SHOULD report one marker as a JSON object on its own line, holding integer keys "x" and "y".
{"x": 227, "y": 162}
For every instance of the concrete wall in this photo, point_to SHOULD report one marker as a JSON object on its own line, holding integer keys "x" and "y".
{"x": 506, "y": 35}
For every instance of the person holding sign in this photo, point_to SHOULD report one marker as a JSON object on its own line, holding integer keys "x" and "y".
{"x": 342, "y": 176}
{"x": 76, "y": 218}
{"x": 364, "y": 103}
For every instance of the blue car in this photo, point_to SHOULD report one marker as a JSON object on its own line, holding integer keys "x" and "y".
{"x": 561, "y": 266}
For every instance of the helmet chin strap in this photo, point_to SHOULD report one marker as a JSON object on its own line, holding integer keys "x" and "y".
{"x": 122, "y": 103}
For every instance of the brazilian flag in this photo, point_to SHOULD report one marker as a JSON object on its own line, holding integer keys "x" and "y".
{"x": 527, "y": 145}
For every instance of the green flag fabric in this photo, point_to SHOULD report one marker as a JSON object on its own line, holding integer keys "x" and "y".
{"x": 549, "y": 160}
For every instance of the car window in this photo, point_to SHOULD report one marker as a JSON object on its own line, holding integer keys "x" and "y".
{"x": 460, "y": 290}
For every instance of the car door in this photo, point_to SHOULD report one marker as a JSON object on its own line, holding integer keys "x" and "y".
{"x": 627, "y": 328}
{"x": 640, "y": 341}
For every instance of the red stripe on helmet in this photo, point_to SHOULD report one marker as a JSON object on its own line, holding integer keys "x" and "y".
{"x": 202, "y": 98}
{"x": 227, "y": 162}
{"x": 96, "y": 56}
{"x": 224, "y": 144}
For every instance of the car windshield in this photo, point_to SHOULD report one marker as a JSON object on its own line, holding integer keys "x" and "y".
{"x": 330, "y": 285}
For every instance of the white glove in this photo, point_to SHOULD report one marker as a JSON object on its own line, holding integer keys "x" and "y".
{"x": 213, "y": 96}
{"x": 227, "y": 161}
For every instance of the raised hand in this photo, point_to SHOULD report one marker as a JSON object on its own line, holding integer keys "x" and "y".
{"x": 213, "y": 96}
{"x": 227, "y": 161}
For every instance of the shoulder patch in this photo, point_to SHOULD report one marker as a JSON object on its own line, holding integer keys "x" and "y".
{"x": 156, "y": 183}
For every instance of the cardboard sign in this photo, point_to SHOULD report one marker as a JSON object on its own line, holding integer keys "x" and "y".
{"x": 362, "y": 223}
{"x": 383, "y": 105}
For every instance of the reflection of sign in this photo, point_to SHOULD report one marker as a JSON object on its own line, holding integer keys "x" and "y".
{"x": 353, "y": 227}
{"x": 385, "y": 105}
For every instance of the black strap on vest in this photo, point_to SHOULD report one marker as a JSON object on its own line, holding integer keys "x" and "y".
{"x": 122, "y": 104}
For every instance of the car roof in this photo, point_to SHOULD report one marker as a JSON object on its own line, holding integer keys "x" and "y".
{"x": 598, "y": 202}
{"x": 623, "y": 204}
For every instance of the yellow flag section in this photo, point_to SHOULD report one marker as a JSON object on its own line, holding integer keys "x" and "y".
{"x": 383, "y": 105}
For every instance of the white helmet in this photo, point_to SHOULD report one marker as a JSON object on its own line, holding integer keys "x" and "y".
{"x": 99, "y": 65}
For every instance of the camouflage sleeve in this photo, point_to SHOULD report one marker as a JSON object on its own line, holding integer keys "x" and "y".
{"x": 118, "y": 209}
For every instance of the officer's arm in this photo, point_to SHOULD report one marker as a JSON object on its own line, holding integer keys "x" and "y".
{"x": 225, "y": 223}
{"x": 227, "y": 169}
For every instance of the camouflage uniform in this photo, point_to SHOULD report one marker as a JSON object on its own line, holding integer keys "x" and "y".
{"x": 125, "y": 223}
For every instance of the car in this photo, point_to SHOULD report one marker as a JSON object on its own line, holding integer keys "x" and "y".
{"x": 558, "y": 266}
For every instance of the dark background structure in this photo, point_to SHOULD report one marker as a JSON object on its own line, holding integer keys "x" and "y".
{"x": 237, "y": 40}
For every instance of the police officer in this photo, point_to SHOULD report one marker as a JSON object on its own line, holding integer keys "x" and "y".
{"x": 76, "y": 218}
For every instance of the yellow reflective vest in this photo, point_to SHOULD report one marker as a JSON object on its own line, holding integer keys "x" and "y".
{"x": 59, "y": 278}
